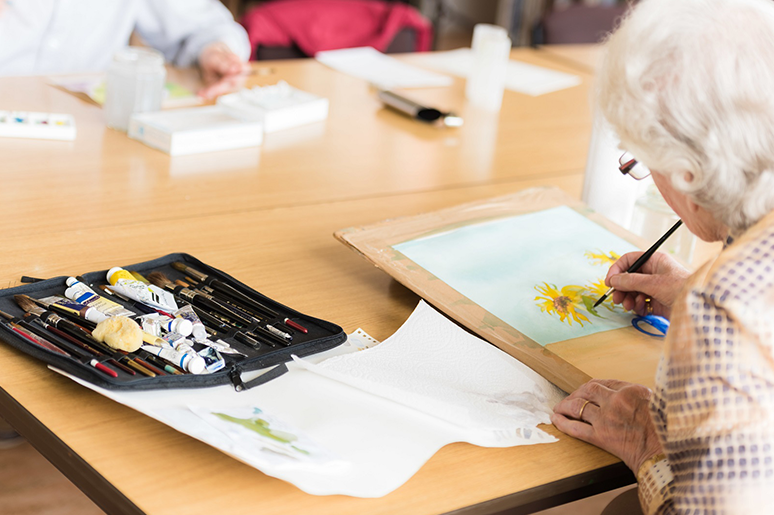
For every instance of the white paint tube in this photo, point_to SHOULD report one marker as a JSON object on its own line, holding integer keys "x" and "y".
{"x": 77, "y": 309}
{"x": 155, "y": 323}
{"x": 198, "y": 330}
{"x": 124, "y": 283}
{"x": 82, "y": 294}
{"x": 191, "y": 362}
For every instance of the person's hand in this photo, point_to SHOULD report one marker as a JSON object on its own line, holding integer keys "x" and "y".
{"x": 660, "y": 279}
{"x": 614, "y": 416}
{"x": 222, "y": 70}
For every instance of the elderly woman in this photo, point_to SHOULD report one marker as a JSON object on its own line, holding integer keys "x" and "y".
{"x": 688, "y": 86}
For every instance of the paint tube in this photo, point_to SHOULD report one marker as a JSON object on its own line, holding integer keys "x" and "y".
{"x": 222, "y": 347}
{"x": 124, "y": 283}
{"x": 171, "y": 341}
{"x": 177, "y": 342}
{"x": 198, "y": 330}
{"x": 156, "y": 323}
{"x": 184, "y": 345}
{"x": 139, "y": 277}
{"x": 212, "y": 359}
{"x": 82, "y": 294}
{"x": 152, "y": 339}
{"x": 191, "y": 362}
{"x": 77, "y": 309}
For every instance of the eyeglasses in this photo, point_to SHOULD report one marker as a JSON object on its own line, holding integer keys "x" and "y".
{"x": 631, "y": 167}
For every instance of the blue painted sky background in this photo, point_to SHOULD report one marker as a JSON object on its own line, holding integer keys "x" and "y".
{"x": 498, "y": 264}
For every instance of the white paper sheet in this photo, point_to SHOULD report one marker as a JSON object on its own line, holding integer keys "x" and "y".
{"x": 366, "y": 445}
{"x": 93, "y": 85}
{"x": 433, "y": 366}
{"x": 381, "y": 70}
{"x": 521, "y": 77}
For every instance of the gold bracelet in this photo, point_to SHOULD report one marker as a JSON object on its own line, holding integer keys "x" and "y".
{"x": 649, "y": 463}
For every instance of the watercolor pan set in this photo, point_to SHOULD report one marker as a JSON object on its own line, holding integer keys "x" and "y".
{"x": 23, "y": 124}
{"x": 200, "y": 327}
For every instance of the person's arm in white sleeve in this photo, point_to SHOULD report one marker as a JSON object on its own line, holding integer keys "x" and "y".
{"x": 203, "y": 32}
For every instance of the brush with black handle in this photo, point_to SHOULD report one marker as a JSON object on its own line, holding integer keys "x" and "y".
{"x": 196, "y": 298}
{"x": 226, "y": 289}
{"x": 642, "y": 259}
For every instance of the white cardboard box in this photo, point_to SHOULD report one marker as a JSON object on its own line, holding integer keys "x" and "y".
{"x": 194, "y": 130}
{"x": 277, "y": 107}
{"x": 23, "y": 124}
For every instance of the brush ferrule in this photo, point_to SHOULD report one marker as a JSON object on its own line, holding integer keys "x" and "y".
{"x": 187, "y": 294}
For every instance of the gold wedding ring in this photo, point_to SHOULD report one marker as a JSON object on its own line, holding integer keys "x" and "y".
{"x": 648, "y": 306}
{"x": 580, "y": 413}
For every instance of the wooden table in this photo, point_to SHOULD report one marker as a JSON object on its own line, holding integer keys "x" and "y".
{"x": 267, "y": 216}
{"x": 583, "y": 58}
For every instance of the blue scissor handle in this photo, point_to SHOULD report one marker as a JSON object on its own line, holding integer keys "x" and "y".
{"x": 658, "y": 323}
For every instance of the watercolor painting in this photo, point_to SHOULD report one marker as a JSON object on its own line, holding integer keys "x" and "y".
{"x": 253, "y": 428}
{"x": 540, "y": 272}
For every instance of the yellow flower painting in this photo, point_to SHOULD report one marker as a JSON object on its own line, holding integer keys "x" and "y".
{"x": 597, "y": 289}
{"x": 564, "y": 302}
{"x": 600, "y": 258}
{"x": 575, "y": 302}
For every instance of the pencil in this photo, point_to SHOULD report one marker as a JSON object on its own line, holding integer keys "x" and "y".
{"x": 642, "y": 259}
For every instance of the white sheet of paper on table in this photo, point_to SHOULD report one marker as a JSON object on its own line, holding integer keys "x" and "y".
{"x": 381, "y": 70}
{"x": 521, "y": 77}
{"x": 372, "y": 444}
{"x": 433, "y": 366}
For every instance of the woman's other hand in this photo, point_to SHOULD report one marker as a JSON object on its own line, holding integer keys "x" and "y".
{"x": 661, "y": 278}
{"x": 614, "y": 416}
{"x": 222, "y": 70}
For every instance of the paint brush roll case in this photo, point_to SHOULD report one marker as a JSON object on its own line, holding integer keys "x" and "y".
{"x": 308, "y": 335}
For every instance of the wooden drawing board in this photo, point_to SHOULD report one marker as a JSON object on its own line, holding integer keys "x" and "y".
{"x": 621, "y": 353}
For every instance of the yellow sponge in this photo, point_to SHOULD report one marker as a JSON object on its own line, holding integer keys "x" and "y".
{"x": 120, "y": 333}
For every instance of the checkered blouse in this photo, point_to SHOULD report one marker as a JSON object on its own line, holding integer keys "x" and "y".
{"x": 713, "y": 404}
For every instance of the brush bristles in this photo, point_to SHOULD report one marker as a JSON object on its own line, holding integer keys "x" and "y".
{"x": 27, "y": 303}
{"x": 160, "y": 280}
{"x": 182, "y": 267}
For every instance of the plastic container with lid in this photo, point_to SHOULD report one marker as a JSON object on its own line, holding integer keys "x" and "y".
{"x": 486, "y": 84}
{"x": 135, "y": 84}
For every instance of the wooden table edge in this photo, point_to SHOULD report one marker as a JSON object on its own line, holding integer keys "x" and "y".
{"x": 111, "y": 500}
{"x": 76, "y": 469}
{"x": 549, "y": 495}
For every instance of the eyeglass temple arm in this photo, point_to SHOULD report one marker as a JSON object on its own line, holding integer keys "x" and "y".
{"x": 627, "y": 166}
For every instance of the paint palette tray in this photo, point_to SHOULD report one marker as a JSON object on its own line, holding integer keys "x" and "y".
{"x": 27, "y": 124}
{"x": 277, "y": 107}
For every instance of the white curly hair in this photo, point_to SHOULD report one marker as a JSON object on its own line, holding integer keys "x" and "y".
{"x": 688, "y": 85}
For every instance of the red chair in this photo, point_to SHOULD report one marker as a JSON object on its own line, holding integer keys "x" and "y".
{"x": 285, "y": 29}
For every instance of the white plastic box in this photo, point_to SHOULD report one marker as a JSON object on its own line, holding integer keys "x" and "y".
{"x": 24, "y": 124}
{"x": 194, "y": 130}
{"x": 277, "y": 107}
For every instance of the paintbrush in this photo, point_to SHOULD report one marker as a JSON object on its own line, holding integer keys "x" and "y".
{"x": 225, "y": 288}
{"x": 225, "y": 300}
{"x": 25, "y": 331}
{"x": 77, "y": 318}
{"x": 642, "y": 259}
{"x": 19, "y": 326}
{"x": 78, "y": 335}
{"x": 39, "y": 308}
{"x": 196, "y": 298}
